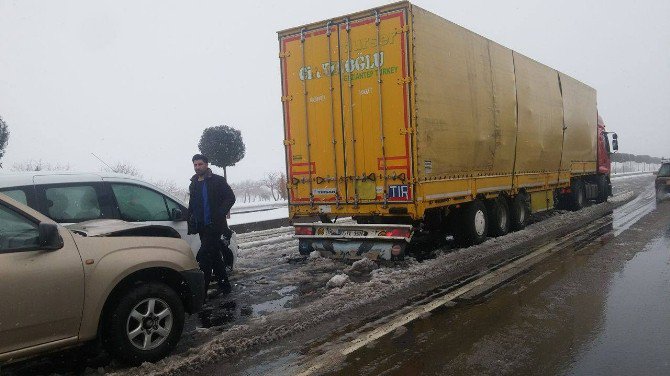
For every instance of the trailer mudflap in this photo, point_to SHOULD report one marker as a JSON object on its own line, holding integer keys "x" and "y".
{"x": 354, "y": 241}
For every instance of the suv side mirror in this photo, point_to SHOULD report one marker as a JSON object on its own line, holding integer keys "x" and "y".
{"x": 49, "y": 237}
{"x": 177, "y": 214}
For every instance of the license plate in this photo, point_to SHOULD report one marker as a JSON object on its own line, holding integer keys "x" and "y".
{"x": 347, "y": 233}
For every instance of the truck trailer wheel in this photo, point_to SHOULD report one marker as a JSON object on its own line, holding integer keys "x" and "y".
{"x": 519, "y": 212}
{"x": 603, "y": 189}
{"x": 144, "y": 325}
{"x": 474, "y": 224}
{"x": 577, "y": 196}
{"x": 498, "y": 212}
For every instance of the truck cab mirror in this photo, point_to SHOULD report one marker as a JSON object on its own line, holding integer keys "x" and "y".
{"x": 615, "y": 142}
{"x": 49, "y": 237}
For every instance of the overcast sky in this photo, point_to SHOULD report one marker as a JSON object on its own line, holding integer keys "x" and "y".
{"x": 138, "y": 81}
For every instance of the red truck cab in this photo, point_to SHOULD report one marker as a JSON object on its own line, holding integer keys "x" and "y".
{"x": 604, "y": 152}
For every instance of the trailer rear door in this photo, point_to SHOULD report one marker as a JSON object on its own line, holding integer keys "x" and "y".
{"x": 346, "y": 111}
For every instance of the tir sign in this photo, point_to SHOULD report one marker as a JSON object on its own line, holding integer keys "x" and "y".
{"x": 398, "y": 191}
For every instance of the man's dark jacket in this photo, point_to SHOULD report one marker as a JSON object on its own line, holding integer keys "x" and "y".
{"x": 221, "y": 198}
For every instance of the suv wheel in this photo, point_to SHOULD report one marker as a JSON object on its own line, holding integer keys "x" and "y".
{"x": 145, "y": 324}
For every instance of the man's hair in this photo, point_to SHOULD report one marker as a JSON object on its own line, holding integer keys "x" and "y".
{"x": 199, "y": 157}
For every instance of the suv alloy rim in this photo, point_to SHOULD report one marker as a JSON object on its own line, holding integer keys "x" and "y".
{"x": 149, "y": 324}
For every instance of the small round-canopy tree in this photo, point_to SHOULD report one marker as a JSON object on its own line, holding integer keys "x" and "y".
{"x": 4, "y": 138}
{"x": 223, "y": 146}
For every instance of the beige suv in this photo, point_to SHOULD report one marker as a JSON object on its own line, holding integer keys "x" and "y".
{"x": 127, "y": 284}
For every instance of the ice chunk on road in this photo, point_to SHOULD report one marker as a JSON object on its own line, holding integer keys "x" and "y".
{"x": 337, "y": 281}
{"x": 361, "y": 267}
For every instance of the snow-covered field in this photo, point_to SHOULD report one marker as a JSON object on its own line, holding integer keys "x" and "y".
{"x": 258, "y": 216}
{"x": 259, "y": 205}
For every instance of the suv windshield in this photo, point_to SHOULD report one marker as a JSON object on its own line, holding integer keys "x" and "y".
{"x": 665, "y": 170}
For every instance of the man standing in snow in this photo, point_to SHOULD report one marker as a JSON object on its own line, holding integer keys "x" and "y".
{"x": 210, "y": 201}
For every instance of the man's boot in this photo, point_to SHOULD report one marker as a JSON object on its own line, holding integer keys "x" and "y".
{"x": 223, "y": 288}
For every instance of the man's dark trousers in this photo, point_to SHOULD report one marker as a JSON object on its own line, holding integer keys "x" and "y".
{"x": 209, "y": 256}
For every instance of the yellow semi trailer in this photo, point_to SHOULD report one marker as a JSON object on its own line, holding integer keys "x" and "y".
{"x": 413, "y": 125}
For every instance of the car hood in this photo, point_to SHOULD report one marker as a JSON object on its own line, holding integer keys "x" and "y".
{"x": 116, "y": 227}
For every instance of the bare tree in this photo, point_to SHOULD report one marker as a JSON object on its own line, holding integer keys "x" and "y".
{"x": 259, "y": 191}
{"x": 251, "y": 191}
{"x": 272, "y": 182}
{"x": 172, "y": 188}
{"x": 238, "y": 191}
{"x": 4, "y": 138}
{"x": 39, "y": 165}
{"x": 283, "y": 188}
{"x": 263, "y": 194}
{"x": 124, "y": 168}
{"x": 242, "y": 190}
